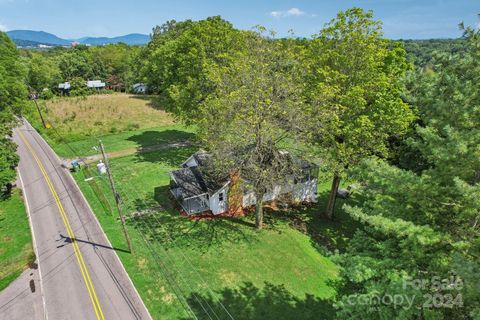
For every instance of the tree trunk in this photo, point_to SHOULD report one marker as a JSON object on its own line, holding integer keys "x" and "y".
{"x": 333, "y": 196}
{"x": 259, "y": 211}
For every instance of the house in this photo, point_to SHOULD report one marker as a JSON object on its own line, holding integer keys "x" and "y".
{"x": 95, "y": 84}
{"x": 64, "y": 87}
{"x": 139, "y": 88}
{"x": 198, "y": 190}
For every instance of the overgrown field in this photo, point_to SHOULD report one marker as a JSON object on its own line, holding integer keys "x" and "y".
{"x": 105, "y": 113}
{"x": 121, "y": 121}
{"x": 220, "y": 265}
{"x": 16, "y": 250}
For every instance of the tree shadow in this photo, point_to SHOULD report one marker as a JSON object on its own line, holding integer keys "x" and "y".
{"x": 171, "y": 147}
{"x": 150, "y": 138}
{"x": 165, "y": 225}
{"x": 151, "y": 100}
{"x": 309, "y": 218}
{"x": 270, "y": 302}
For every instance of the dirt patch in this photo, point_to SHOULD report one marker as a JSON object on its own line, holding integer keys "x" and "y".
{"x": 168, "y": 298}
{"x": 228, "y": 277}
{"x": 141, "y": 263}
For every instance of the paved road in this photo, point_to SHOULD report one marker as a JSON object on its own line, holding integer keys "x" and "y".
{"x": 81, "y": 276}
{"x": 22, "y": 299}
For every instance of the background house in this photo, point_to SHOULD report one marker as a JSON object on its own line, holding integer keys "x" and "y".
{"x": 139, "y": 88}
{"x": 64, "y": 87}
{"x": 95, "y": 84}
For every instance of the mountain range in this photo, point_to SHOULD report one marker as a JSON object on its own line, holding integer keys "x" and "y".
{"x": 32, "y": 38}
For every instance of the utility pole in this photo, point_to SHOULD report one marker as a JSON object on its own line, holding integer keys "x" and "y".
{"x": 116, "y": 195}
{"x": 33, "y": 96}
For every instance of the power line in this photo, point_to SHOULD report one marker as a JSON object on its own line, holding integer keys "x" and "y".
{"x": 158, "y": 222}
{"x": 185, "y": 258}
{"x": 173, "y": 263}
{"x": 152, "y": 251}
{"x": 116, "y": 195}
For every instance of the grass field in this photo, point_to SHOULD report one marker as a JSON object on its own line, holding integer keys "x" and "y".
{"x": 15, "y": 239}
{"x": 134, "y": 139}
{"x": 208, "y": 265}
{"x": 95, "y": 115}
{"x": 122, "y": 121}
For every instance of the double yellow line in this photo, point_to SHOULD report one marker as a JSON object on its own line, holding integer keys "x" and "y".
{"x": 76, "y": 249}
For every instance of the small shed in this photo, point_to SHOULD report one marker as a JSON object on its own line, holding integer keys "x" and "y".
{"x": 139, "y": 88}
{"x": 95, "y": 84}
{"x": 64, "y": 87}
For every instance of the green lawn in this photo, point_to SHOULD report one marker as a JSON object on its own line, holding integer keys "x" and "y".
{"x": 125, "y": 140}
{"x": 15, "y": 239}
{"x": 205, "y": 266}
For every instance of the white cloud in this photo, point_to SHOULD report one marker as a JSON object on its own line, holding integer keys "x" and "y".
{"x": 295, "y": 12}
{"x": 3, "y": 27}
{"x": 292, "y": 12}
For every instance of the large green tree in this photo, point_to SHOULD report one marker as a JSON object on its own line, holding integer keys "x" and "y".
{"x": 116, "y": 62}
{"x": 177, "y": 62}
{"x": 252, "y": 113}
{"x": 353, "y": 85}
{"x": 12, "y": 98}
{"x": 43, "y": 72}
{"x": 424, "y": 225}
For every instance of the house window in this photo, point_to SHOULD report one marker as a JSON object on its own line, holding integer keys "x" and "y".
{"x": 220, "y": 196}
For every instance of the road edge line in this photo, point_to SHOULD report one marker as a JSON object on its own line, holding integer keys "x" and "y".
{"x": 34, "y": 243}
{"x": 94, "y": 217}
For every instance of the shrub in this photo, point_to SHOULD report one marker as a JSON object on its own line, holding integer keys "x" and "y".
{"x": 46, "y": 94}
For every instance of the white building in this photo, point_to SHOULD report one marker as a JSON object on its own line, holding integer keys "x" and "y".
{"x": 95, "y": 84}
{"x": 198, "y": 193}
{"x": 64, "y": 87}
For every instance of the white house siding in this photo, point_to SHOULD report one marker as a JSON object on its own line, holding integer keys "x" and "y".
{"x": 249, "y": 199}
{"x": 216, "y": 206}
{"x": 305, "y": 191}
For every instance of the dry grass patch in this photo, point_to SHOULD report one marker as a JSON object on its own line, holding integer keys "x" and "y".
{"x": 79, "y": 117}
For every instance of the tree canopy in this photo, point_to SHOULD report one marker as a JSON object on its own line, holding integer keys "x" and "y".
{"x": 180, "y": 58}
{"x": 256, "y": 106}
{"x": 421, "y": 225}
{"x": 13, "y": 94}
{"x": 353, "y": 86}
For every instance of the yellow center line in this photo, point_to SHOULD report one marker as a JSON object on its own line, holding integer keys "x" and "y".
{"x": 81, "y": 263}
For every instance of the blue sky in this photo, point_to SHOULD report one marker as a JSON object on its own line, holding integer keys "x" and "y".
{"x": 417, "y": 19}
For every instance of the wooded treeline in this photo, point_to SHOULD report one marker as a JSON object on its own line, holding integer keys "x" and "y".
{"x": 353, "y": 102}
{"x": 113, "y": 64}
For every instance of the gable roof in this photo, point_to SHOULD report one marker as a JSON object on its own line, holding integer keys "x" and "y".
{"x": 189, "y": 181}
{"x": 196, "y": 180}
{"x": 201, "y": 179}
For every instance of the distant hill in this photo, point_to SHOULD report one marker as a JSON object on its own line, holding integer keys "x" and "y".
{"x": 29, "y": 44}
{"x": 37, "y": 36}
{"x": 131, "y": 39}
{"x": 29, "y": 38}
